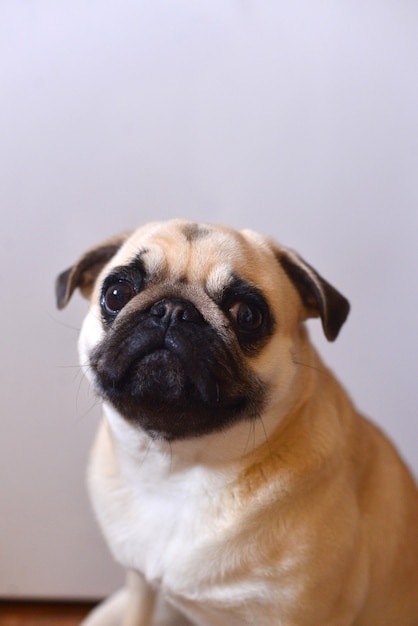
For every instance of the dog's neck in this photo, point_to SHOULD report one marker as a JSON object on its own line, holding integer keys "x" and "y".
{"x": 212, "y": 450}
{"x": 229, "y": 447}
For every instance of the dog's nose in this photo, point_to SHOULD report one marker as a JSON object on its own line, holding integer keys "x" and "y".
{"x": 174, "y": 310}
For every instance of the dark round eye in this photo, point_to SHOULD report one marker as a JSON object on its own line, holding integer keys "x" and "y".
{"x": 117, "y": 295}
{"x": 246, "y": 316}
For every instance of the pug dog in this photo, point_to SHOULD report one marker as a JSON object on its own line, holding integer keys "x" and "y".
{"x": 231, "y": 476}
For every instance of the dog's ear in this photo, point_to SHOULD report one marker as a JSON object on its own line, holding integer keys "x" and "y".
{"x": 319, "y": 298}
{"x": 84, "y": 272}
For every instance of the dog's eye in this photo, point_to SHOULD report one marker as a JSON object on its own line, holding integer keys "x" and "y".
{"x": 117, "y": 295}
{"x": 246, "y": 316}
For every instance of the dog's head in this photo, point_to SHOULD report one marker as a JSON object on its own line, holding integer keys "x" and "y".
{"x": 193, "y": 327}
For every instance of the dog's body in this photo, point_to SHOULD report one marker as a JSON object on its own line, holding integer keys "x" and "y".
{"x": 231, "y": 474}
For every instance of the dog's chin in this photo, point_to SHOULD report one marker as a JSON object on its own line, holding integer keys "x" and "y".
{"x": 171, "y": 401}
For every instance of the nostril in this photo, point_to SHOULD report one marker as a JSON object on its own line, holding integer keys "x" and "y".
{"x": 181, "y": 312}
{"x": 159, "y": 309}
{"x": 175, "y": 310}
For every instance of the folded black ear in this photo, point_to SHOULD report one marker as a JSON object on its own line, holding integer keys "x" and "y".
{"x": 84, "y": 272}
{"x": 318, "y": 296}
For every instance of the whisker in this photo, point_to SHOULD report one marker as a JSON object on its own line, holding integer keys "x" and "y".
{"x": 63, "y": 324}
{"x": 251, "y": 433}
{"x": 309, "y": 365}
{"x": 171, "y": 456}
{"x": 144, "y": 458}
{"x": 82, "y": 369}
{"x": 82, "y": 378}
{"x": 250, "y": 427}
{"x": 265, "y": 434}
{"x": 88, "y": 411}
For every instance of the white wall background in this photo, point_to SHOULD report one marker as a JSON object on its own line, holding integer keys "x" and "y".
{"x": 297, "y": 118}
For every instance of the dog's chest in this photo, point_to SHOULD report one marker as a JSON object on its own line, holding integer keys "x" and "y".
{"x": 166, "y": 526}
{"x": 190, "y": 535}
{"x": 169, "y": 525}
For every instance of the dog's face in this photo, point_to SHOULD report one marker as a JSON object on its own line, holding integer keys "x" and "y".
{"x": 193, "y": 327}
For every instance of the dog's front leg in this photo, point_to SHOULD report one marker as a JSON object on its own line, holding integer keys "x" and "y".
{"x": 147, "y": 607}
{"x": 131, "y": 606}
{"x": 140, "y": 602}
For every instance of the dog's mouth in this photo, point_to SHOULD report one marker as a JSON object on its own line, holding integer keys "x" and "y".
{"x": 161, "y": 376}
{"x": 176, "y": 382}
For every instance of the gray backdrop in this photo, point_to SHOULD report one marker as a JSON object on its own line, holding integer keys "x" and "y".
{"x": 298, "y": 119}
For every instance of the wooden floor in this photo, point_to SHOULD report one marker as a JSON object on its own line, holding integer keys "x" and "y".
{"x": 42, "y": 613}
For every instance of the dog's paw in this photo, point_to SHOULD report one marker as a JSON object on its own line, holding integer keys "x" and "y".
{"x": 110, "y": 612}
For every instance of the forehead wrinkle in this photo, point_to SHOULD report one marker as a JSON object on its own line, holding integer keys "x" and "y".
{"x": 210, "y": 260}
{"x": 219, "y": 250}
{"x": 155, "y": 261}
{"x": 218, "y": 279}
